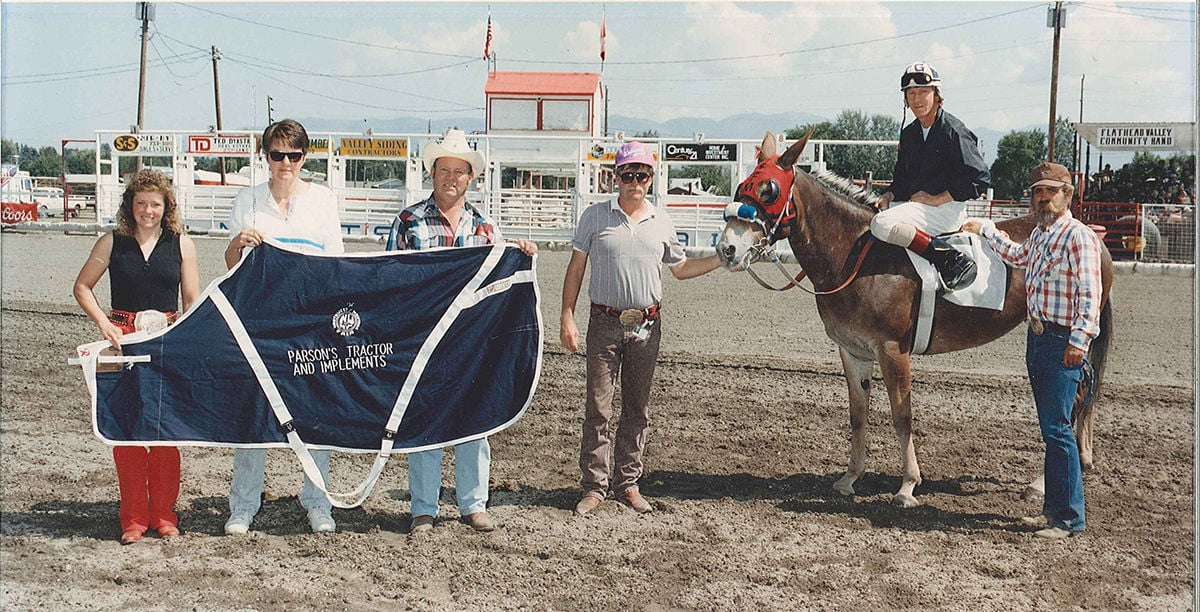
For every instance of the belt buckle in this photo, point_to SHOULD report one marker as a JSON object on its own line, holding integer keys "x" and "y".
{"x": 1036, "y": 327}
{"x": 631, "y": 316}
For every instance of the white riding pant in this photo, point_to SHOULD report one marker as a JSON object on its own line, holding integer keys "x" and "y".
{"x": 898, "y": 224}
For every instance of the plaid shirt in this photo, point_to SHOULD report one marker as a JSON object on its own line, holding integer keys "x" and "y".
{"x": 1062, "y": 273}
{"x": 422, "y": 226}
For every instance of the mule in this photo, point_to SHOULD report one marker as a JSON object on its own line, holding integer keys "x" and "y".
{"x": 869, "y": 308}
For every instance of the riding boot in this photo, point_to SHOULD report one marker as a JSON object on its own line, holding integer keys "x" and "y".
{"x": 957, "y": 270}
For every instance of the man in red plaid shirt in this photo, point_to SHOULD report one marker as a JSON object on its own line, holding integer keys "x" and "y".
{"x": 1061, "y": 259}
{"x": 446, "y": 219}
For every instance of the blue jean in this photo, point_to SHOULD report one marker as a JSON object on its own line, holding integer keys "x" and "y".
{"x": 472, "y": 466}
{"x": 249, "y": 474}
{"x": 1054, "y": 387}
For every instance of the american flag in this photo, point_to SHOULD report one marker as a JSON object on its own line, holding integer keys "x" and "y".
{"x": 603, "y": 35}
{"x": 487, "y": 43}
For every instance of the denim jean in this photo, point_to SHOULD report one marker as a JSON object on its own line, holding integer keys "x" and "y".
{"x": 472, "y": 466}
{"x": 1054, "y": 387}
{"x": 249, "y": 474}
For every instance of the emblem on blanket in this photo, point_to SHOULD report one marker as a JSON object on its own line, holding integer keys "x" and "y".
{"x": 346, "y": 321}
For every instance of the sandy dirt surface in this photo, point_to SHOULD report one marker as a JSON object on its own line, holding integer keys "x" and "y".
{"x": 749, "y": 433}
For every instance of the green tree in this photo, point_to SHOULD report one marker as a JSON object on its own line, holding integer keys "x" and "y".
{"x": 855, "y": 161}
{"x": 821, "y": 131}
{"x": 646, "y": 134}
{"x": 47, "y": 162}
{"x": 1064, "y": 143}
{"x": 715, "y": 178}
{"x": 81, "y": 161}
{"x": 1016, "y": 153}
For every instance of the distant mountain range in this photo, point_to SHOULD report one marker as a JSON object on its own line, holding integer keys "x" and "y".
{"x": 745, "y": 125}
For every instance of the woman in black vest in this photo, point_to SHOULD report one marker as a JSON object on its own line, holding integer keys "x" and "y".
{"x": 149, "y": 263}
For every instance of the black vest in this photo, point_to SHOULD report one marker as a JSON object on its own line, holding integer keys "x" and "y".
{"x": 141, "y": 284}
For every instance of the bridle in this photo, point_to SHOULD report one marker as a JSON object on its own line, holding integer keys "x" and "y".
{"x": 754, "y": 204}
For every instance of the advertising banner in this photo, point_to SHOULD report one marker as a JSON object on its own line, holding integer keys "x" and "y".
{"x": 693, "y": 152}
{"x": 16, "y": 212}
{"x": 374, "y": 147}
{"x": 1139, "y": 136}
{"x": 212, "y": 144}
{"x": 145, "y": 144}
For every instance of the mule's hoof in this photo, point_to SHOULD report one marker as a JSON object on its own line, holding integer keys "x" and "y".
{"x": 844, "y": 489}
{"x": 1032, "y": 494}
{"x": 905, "y": 501}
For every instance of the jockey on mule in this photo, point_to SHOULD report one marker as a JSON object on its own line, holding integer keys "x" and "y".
{"x": 938, "y": 168}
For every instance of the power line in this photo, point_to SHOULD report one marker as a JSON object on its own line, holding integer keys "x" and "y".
{"x": 352, "y": 102}
{"x": 1132, "y": 12}
{"x": 251, "y": 65}
{"x": 33, "y": 80}
{"x": 792, "y": 52}
{"x": 23, "y": 79}
{"x": 324, "y": 37}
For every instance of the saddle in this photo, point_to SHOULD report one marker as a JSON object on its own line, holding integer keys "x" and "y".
{"x": 986, "y": 291}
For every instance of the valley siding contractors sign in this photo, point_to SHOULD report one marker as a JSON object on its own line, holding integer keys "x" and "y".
{"x": 693, "y": 152}
{"x": 374, "y": 147}
{"x": 1139, "y": 136}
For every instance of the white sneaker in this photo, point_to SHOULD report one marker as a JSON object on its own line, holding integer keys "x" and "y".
{"x": 238, "y": 523}
{"x": 321, "y": 521}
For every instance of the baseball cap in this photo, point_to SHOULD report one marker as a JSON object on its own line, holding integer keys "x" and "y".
{"x": 1046, "y": 173}
{"x": 634, "y": 153}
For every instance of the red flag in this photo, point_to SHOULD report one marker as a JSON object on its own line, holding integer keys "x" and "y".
{"x": 487, "y": 44}
{"x": 603, "y": 35}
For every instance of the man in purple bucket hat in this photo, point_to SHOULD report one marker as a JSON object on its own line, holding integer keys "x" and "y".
{"x": 629, "y": 240}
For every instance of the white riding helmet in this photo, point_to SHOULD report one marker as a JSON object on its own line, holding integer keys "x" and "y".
{"x": 920, "y": 74}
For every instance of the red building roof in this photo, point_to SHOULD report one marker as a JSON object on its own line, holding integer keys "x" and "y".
{"x": 542, "y": 83}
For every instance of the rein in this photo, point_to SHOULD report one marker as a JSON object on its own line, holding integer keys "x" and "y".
{"x": 765, "y": 251}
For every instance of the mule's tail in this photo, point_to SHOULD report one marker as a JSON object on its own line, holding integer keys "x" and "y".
{"x": 1089, "y": 390}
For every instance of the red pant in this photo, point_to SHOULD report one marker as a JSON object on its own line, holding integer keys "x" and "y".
{"x": 149, "y": 483}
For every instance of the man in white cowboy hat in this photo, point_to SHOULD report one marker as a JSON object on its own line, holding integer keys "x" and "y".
{"x": 446, "y": 219}
{"x": 938, "y": 168}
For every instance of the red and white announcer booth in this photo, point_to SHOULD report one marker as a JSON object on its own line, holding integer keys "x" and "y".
{"x": 544, "y": 103}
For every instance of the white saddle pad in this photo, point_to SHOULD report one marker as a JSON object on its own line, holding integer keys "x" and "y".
{"x": 986, "y": 291}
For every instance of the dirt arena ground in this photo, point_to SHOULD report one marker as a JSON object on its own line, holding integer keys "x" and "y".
{"x": 749, "y": 432}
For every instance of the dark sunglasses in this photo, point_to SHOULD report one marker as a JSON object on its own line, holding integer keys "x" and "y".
{"x": 920, "y": 78}
{"x": 295, "y": 156}
{"x": 629, "y": 177}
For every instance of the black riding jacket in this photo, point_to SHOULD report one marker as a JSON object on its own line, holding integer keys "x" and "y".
{"x": 948, "y": 161}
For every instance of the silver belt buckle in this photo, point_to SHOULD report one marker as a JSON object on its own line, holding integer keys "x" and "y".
{"x": 631, "y": 316}
{"x": 1036, "y": 327}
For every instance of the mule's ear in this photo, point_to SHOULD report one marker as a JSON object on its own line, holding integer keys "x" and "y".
{"x": 789, "y": 157}
{"x": 769, "y": 147}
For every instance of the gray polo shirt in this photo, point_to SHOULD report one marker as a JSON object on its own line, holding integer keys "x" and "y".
{"x": 626, "y": 257}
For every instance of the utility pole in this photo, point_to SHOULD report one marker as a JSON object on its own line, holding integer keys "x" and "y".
{"x": 1079, "y": 142}
{"x": 216, "y": 55}
{"x": 145, "y": 12}
{"x": 270, "y": 110}
{"x": 606, "y": 111}
{"x": 1055, "y": 19}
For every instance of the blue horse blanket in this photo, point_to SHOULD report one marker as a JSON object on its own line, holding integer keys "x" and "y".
{"x": 425, "y": 349}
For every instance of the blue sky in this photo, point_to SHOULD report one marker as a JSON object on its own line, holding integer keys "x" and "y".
{"x": 70, "y": 69}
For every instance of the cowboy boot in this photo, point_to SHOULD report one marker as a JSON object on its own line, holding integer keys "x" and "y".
{"x": 956, "y": 269}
